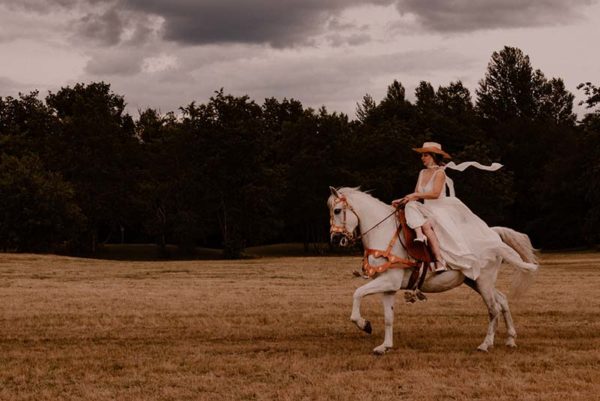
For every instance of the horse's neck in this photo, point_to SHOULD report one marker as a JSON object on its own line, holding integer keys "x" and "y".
{"x": 371, "y": 212}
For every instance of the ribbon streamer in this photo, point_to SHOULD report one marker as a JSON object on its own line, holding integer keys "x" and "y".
{"x": 463, "y": 166}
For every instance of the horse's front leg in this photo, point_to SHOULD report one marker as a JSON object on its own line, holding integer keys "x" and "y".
{"x": 356, "y": 317}
{"x": 386, "y": 282}
{"x": 388, "y": 313}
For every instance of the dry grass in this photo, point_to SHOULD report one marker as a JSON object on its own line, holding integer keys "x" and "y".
{"x": 263, "y": 329}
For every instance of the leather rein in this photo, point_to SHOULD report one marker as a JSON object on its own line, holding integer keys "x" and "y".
{"x": 393, "y": 261}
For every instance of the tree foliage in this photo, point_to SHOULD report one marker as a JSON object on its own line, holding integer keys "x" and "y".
{"x": 95, "y": 149}
{"x": 589, "y": 149}
{"x": 38, "y": 207}
{"x": 77, "y": 169}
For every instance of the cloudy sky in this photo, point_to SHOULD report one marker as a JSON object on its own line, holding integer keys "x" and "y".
{"x": 166, "y": 53}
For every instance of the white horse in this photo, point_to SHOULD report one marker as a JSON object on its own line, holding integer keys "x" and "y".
{"x": 352, "y": 210}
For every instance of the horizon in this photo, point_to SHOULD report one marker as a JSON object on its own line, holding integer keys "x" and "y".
{"x": 165, "y": 55}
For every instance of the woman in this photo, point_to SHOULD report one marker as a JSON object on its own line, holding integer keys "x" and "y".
{"x": 456, "y": 235}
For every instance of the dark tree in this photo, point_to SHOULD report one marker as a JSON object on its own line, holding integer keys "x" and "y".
{"x": 26, "y": 125}
{"x": 96, "y": 150}
{"x": 236, "y": 183}
{"x": 365, "y": 108}
{"x": 426, "y": 98}
{"x": 593, "y": 94}
{"x": 38, "y": 207}
{"x": 589, "y": 164}
{"x": 529, "y": 123}
{"x": 230, "y": 173}
{"x": 507, "y": 91}
{"x": 378, "y": 148}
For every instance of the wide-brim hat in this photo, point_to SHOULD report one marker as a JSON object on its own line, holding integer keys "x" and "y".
{"x": 432, "y": 147}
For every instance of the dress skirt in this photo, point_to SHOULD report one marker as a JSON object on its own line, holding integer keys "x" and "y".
{"x": 467, "y": 243}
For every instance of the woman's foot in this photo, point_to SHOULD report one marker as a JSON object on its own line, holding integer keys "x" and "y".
{"x": 422, "y": 240}
{"x": 419, "y": 236}
{"x": 440, "y": 266}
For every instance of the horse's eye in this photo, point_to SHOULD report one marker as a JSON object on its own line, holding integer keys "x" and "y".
{"x": 337, "y": 211}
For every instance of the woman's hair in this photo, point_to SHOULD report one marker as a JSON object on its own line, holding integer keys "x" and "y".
{"x": 437, "y": 158}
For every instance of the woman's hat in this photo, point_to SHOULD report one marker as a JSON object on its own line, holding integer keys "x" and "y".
{"x": 432, "y": 147}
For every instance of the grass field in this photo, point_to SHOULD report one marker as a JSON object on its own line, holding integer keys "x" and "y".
{"x": 279, "y": 328}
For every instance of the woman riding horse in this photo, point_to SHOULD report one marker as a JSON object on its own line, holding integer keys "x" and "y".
{"x": 456, "y": 235}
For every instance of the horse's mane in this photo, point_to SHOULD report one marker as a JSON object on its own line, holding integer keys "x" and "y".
{"x": 355, "y": 192}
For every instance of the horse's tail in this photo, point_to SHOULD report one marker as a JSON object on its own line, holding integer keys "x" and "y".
{"x": 521, "y": 244}
{"x": 524, "y": 260}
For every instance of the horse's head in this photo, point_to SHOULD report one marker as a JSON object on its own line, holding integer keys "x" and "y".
{"x": 343, "y": 219}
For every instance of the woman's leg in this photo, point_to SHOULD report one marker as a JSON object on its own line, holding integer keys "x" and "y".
{"x": 415, "y": 219}
{"x": 418, "y": 222}
{"x": 434, "y": 244}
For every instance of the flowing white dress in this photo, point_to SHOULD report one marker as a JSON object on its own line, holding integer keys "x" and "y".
{"x": 467, "y": 243}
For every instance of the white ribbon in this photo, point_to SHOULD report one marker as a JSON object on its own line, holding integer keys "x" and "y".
{"x": 465, "y": 165}
{"x": 462, "y": 166}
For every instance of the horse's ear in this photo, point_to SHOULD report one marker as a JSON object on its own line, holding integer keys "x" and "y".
{"x": 334, "y": 192}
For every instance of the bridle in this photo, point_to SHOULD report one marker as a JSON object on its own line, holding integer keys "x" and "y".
{"x": 393, "y": 261}
{"x": 349, "y": 236}
{"x": 333, "y": 228}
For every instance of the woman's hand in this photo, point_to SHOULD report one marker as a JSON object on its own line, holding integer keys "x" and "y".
{"x": 405, "y": 200}
{"x": 397, "y": 202}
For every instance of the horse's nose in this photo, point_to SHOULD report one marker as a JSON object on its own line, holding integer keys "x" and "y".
{"x": 336, "y": 239}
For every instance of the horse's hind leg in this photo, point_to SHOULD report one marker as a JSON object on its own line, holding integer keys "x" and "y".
{"x": 388, "y": 313}
{"x": 502, "y": 302}
{"x": 488, "y": 293}
{"x": 510, "y": 326}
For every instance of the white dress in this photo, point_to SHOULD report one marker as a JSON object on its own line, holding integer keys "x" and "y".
{"x": 467, "y": 243}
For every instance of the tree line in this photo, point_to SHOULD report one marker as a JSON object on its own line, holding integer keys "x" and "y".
{"x": 77, "y": 171}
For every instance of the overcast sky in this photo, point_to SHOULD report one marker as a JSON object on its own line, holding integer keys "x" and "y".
{"x": 167, "y": 53}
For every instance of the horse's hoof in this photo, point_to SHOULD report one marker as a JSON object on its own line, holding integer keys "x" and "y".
{"x": 382, "y": 349}
{"x": 483, "y": 348}
{"x": 368, "y": 329}
{"x": 510, "y": 343}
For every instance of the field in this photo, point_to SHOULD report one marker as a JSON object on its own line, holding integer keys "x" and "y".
{"x": 279, "y": 329}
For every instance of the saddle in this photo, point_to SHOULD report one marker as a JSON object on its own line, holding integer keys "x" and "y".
{"x": 416, "y": 250}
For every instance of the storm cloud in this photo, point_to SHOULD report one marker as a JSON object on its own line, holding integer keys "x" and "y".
{"x": 105, "y": 28}
{"x": 468, "y": 15}
{"x": 296, "y": 22}
{"x": 277, "y": 23}
{"x": 290, "y": 23}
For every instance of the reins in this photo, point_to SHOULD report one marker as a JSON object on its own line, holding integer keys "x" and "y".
{"x": 393, "y": 261}
{"x": 343, "y": 230}
{"x": 375, "y": 226}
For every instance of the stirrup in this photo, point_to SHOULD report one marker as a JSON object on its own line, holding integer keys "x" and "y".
{"x": 440, "y": 266}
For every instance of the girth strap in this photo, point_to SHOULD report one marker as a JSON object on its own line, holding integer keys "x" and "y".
{"x": 417, "y": 276}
